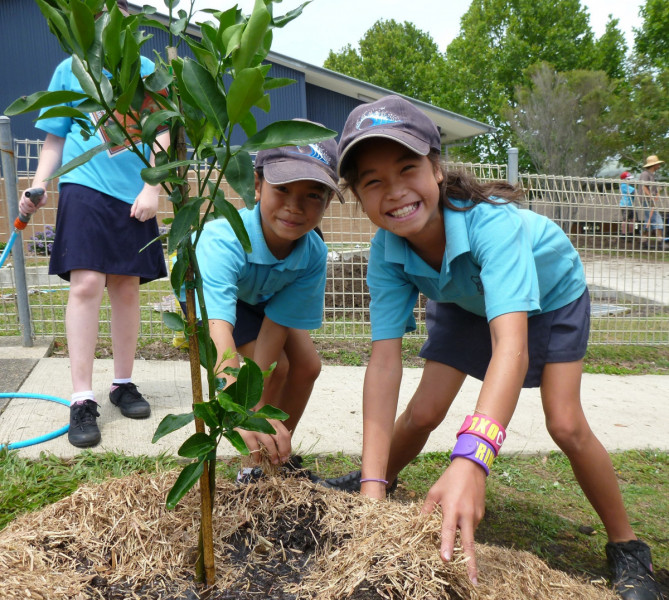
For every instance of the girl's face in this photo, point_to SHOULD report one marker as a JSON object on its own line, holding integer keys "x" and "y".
{"x": 398, "y": 189}
{"x": 289, "y": 211}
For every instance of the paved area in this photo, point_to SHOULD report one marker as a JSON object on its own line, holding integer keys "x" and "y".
{"x": 626, "y": 412}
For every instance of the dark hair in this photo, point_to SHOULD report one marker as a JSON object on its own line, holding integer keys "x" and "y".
{"x": 457, "y": 184}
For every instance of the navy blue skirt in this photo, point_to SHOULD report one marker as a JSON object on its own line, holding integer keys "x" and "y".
{"x": 94, "y": 231}
{"x": 461, "y": 339}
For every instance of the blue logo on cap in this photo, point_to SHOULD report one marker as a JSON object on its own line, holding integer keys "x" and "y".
{"x": 376, "y": 118}
{"x": 314, "y": 151}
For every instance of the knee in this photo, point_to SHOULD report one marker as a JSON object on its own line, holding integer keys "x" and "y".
{"x": 86, "y": 287}
{"x": 569, "y": 435}
{"x": 306, "y": 369}
{"x": 423, "y": 419}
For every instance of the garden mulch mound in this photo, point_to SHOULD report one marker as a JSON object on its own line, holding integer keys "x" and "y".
{"x": 279, "y": 538}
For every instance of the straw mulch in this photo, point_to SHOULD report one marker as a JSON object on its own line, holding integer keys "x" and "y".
{"x": 280, "y": 538}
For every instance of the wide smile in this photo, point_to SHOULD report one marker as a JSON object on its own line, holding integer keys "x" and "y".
{"x": 404, "y": 211}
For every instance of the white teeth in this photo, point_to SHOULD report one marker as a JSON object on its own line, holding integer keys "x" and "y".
{"x": 404, "y": 211}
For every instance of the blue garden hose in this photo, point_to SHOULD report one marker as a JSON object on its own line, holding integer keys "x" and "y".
{"x": 19, "y": 224}
{"x": 42, "y": 438}
{"x": 8, "y": 247}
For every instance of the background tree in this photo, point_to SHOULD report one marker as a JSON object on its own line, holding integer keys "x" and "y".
{"x": 651, "y": 41}
{"x": 610, "y": 51}
{"x": 563, "y": 120}
{"x": 498, "y": 41}
{"x": 395, "y": 56}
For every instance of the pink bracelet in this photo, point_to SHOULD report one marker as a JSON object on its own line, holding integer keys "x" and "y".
{"x": 372, "y": 479}
{"x": 486, "y": 428}
{"x": 475, "y": 449}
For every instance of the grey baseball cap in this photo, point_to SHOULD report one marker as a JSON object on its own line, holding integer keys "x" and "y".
{"x": 314, "y": 162}
{"x": 390, "y": 117}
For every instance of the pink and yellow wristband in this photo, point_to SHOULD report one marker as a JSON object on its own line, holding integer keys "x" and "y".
{"x": 485, "y": 428}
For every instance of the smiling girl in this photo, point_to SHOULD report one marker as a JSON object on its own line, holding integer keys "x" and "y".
{"x": 508, "y": 305}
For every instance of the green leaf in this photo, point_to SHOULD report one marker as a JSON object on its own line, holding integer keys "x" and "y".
{"x": 186, "y": 480}
{"x": 154, "y": 121}
{"x": 185, "y": 220}
{"x": 84, "y": 79}
{"x": 203, "y": 89}
{"x": 178, "y": 274}
{"x": 245, "y": 91}
{"x": 131, "y": 61}
{"x": 125, "y": 100}
{"x": 271, "y": 412}
{"x": 273, "y": 83}
{"x": 249, "y": 384}
{"x": 231, "y": 38}
{"x": 154, "y": 175}
{"x": 57, "y": 25}
{"x": 171, "y": 423}
{"x": 197, "y": 445}
{"x": 174, "y": 321}
{"x": 204, "y": 411}
{"x": 63, "y": 111}
{"x": 157, "y": 81}
{"x": 256, "y": 424}
{"x": 289, "y": 16}
{"x": 111, "y": 39}
{"x": 40, "y": 100}
{"x": 82, "y": 23}
{"x": 81, "y": 159}
{"x": 287, "y": 133}
{"x": 241, "y": 176}
{"x": 229, "y": 405}
{"x": 252, "y": 37}
{"x": 237, "y": 441}
{"x": 232, "y": 215}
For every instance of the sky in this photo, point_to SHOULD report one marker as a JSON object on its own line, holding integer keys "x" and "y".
{"x": 332, "y": 24}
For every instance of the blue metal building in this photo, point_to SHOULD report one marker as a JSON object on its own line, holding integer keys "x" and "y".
{"x": 29, "y": 54}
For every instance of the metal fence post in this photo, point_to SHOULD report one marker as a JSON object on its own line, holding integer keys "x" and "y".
{"x": 512, "y": 166}
{"x": 8, "y": 165}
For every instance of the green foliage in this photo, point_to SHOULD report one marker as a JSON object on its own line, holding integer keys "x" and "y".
{"x": 651, "y": 41}
{"x": 396, "y": 56}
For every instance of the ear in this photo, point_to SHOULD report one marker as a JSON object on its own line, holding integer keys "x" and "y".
{"x": 438, "y": 174}
{"x": 258, "y": 185}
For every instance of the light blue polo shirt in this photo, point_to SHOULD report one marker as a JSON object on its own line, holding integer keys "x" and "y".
{"x": 627, "y": 194}
{"x": 498, "y": 259}
{"x": 117, "y": 174}
{"x": 294, "y": 286}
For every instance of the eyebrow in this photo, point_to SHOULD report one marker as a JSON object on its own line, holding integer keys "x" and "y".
{"x": 408, "y": 155}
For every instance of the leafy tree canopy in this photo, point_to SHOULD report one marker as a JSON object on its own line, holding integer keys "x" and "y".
{"x": 651, "y": 42}
{"x": 395, "y": 56}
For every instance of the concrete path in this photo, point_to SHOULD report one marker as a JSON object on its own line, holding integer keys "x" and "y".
{"x": 626, "y": 412}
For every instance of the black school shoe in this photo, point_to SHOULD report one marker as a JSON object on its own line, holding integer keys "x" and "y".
{"x": 351, "y": 483}
{"x": 632, "y": 569}
{"x": 84, "y": 431}
{"x": 132, "y": 404}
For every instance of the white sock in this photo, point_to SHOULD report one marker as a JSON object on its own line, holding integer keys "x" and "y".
{"x": 118, "y": 381}
{"x": 81, "y": 397}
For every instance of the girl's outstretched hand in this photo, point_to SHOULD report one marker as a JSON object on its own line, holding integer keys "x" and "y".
{"x": 460, "y": 492}
{"x": 277, "y": 445}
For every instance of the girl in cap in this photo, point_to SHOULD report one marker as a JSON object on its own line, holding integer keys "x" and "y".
{"x": 261, "y": 304}
{"x": 509, "y": 305}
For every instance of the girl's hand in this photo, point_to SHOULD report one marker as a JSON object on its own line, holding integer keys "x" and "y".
{"x": 460, "y": 492}
{"x": 26, "y": 206}
{"x": 277, "y": 445}
{"x": 145, "y": 206}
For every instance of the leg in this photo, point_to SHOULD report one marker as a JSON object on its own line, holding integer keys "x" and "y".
{"x": 81, "y": 323}
{"x": 567, "y": 425}
{"x": 436, "y": 391}
{"x": 304, "y": 367}
{"x": 123, "y": 293}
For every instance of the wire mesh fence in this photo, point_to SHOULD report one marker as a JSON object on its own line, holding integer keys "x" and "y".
{"x": 626, "y": 268}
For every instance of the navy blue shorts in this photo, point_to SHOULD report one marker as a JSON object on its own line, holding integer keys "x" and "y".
{"x": 461, "y": 339}
{"x": 249, "y": 321}
{"x": 94, "y": 231}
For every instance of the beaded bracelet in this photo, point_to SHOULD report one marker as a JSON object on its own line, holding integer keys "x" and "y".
{"x": 475, "y": 449}
{"x": 372, "y": 479}
{"x": 486, "y": 428}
